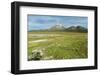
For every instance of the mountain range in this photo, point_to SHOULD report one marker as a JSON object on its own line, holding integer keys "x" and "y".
{"x": 61, "y": 27}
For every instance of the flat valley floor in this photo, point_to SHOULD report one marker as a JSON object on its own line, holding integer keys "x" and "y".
{"x": 57, "y": 45}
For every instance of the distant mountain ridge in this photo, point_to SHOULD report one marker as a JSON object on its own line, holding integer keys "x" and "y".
{"x": 76, "y": 29}
{"x": 60, "y": 27}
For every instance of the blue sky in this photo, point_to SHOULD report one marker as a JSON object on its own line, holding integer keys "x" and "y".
{"x": 39, "y": 22}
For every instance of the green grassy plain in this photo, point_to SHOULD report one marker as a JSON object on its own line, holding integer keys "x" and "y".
{"x": 58, "y": 45}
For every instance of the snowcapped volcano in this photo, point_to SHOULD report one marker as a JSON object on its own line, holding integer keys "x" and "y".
{"x": 58, "y": 27}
